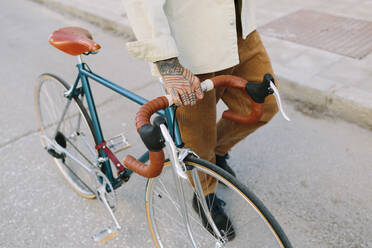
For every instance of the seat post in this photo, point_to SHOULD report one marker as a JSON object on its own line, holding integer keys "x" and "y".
{"x": 80, "y": 59}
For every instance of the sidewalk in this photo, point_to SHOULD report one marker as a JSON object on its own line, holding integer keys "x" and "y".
{"x": 325, "y": 81}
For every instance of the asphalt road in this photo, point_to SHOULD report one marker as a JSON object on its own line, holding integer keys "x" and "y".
{"x": 312, "y": 173}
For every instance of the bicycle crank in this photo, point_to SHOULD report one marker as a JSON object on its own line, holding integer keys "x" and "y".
{"x": 106, "y": 195}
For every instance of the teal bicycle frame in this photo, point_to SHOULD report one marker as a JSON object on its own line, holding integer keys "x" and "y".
{"x": 84, "y": 75}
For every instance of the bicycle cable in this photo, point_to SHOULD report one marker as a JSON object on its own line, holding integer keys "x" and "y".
{"x": 87, "y": 66}
{"x": 174, "y": 121}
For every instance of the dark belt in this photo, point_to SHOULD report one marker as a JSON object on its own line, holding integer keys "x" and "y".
{"x": 238, "y": 10}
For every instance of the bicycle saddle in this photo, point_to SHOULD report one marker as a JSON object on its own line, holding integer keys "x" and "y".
{"x": 73, "y": 40}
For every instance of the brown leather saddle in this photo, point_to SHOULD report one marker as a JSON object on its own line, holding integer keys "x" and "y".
{"x": 73, "y": 40}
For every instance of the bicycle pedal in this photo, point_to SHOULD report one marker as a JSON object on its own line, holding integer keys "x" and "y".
{"x": 105, "y": 235}
{"x": 118, "y": 143}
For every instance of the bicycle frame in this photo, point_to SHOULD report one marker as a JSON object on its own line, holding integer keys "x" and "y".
{"x": 83, "y": 76}
{"x": 107, "y": 182}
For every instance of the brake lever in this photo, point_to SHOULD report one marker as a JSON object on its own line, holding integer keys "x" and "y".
{"x": 278, "y": 100}
{"x": 180, "y": 167}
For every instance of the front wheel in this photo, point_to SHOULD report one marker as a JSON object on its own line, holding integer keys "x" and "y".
{"x": 252, "y": 223}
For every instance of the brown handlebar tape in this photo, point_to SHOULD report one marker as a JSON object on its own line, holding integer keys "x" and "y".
{"x": 147, "y": 110}
{"x": 156, "y": 158}
{"x": 229, "y": 81}
{"x": 152, "y": 170}
{"x": 237, "y": 82}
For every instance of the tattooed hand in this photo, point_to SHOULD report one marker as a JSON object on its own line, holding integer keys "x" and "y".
{"x": 180, "y": 83}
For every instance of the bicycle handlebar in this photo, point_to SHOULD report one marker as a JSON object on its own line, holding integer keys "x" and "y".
{"x": 156, "y": 156}
{"x": 255, "y": 92}
{"x": 240, "y": 83}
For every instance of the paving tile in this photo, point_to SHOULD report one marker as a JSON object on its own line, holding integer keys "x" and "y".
{"x": 323, "y": 84}
{"x": 346, "y": 36}
{"x": 365, "y": 84}
{"x": 361, "y": 11}
{"x": 311, "y": 91}
{"x": 289, "y": 73}
{"x": 313, "y": 61}
{"x": 305, "y": 88}
{"x": 282, "y": 51}
{"x": 365, "y": 63}
{"x": 345, "y": 71}
{"x": 270, "y": 13}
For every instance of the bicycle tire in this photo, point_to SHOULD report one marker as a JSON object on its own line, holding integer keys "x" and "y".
{"x": 49, "y": 103}
{"x": 163, "y": 215}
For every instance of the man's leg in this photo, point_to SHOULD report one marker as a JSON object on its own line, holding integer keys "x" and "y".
{"x": 254, "y": 64}
{"x": 198, "y": 129}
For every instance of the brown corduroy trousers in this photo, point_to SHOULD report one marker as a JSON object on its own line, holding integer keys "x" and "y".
{"x": 198, "y": 126}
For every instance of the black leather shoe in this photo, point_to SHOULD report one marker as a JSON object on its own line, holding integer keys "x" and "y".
{"x": 219, "y": 216}
{"x": 222, "y": 163}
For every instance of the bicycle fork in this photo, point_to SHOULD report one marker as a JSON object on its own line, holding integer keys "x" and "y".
{"x": 179, "y": 173}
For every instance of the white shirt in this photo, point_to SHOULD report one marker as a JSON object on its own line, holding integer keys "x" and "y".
{"x": 201, "y": 33}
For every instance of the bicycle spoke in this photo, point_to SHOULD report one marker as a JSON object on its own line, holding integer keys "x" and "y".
{"x": 90, "y": 148}
{"x": 167, "y": 192}
{"x": 179, "y": 223}
{"x": 81, "y": 154}
{"x": 172, "y": 201}
{"x": 62, "y": 117}
{"x": 177, "y": 206}
{"x": 81, "y": 181}
{"x": 51, "y": 110}
{"x": 59, "y": 118}
{"x": 245, "y": 229}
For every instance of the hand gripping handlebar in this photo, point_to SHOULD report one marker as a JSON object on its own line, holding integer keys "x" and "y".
{"x": 255, "y": 92}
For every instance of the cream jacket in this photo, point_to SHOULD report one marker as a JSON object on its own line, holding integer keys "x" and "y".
{"x": 201, "y": 33}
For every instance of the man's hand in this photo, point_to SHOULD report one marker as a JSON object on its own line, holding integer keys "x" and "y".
{"x": 180, "y": 83}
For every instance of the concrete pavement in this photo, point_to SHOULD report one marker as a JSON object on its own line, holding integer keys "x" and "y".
{"x": 317, "y": 185}
{"x": 321, "y": 80}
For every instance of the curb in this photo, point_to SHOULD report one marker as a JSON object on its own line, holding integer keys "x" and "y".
{"x": 122, "y": 28}
{"x": 353, "y": 105}
{"x": 347, "y": 103}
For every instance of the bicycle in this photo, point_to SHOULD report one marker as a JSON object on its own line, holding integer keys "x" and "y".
{"x": 177, "y": 209}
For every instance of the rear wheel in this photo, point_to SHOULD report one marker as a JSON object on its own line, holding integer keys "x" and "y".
{"x": 69, "y": 141}
{"x": 252, "y": 223}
